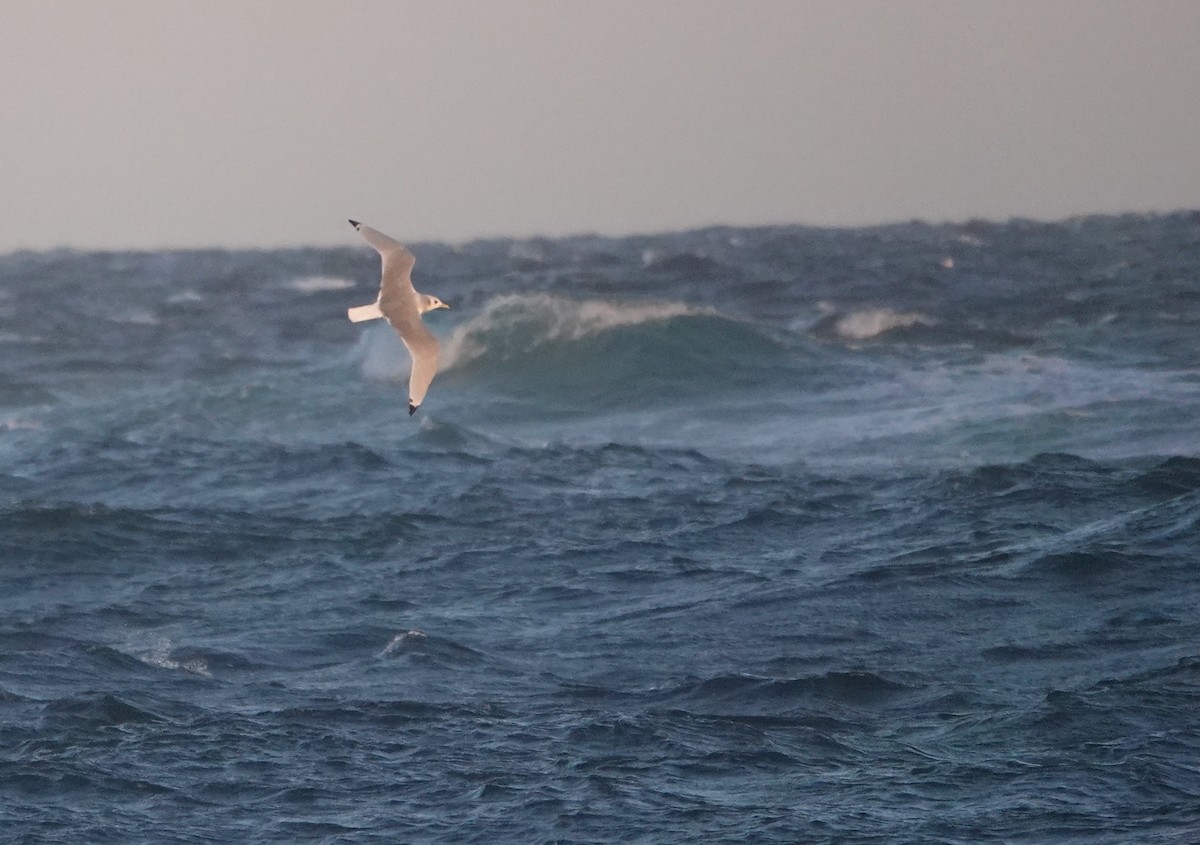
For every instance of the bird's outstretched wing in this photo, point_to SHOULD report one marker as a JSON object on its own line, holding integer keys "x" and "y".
{"x": 423, "y": 347}
{"x": 398, "y": 304}
{"x": 398, "y": 262}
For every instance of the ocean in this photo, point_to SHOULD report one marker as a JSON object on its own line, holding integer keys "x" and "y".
{"x": 737, "y": 535}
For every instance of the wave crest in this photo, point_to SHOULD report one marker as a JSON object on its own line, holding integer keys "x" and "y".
{"x": 871, "y": 323}
{"x": 511, "y": 325}
{"x": 570, "y": 353}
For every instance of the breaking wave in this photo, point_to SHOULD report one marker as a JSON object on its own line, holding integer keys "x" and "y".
{"x": 589, "y": 349}
{"x": 514, "y": 325}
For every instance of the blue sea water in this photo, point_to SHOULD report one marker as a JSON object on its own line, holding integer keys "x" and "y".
{"x": 770, "y": 535}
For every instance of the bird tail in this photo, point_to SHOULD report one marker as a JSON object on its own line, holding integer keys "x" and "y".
{"x": 364, "y": 312}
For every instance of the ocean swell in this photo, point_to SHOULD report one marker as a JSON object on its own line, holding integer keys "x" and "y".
{"x": 592, "y": 350}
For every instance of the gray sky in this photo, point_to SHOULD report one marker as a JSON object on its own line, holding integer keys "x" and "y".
{"x": 143, "y": 123}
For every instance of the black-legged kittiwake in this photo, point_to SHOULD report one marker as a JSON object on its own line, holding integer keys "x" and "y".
{"x": 402, "y": 306}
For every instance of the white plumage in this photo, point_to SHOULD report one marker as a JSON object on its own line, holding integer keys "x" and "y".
{"x": 402, "y": 306}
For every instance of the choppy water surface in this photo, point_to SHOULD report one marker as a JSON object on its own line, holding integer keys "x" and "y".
{"x": 738, "y": 535}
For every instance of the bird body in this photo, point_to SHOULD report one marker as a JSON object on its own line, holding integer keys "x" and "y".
{"x": 402, "y": 306}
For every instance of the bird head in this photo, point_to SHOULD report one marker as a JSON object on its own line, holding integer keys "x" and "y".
{"x": 431, "y": 303}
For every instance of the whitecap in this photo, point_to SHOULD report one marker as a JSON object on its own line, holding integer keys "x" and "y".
{"x": 159, "y": 656}
{"x": 402, "y": 639}
{"x": 184, "y": 297}
{"x": 136, "y": 317}
{"x": 863, "y": 325}
{"x": 553, "y": 318}
{"x": 319, "y": 284}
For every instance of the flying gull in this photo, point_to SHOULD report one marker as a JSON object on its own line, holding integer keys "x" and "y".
{"x": 401, "y": 305}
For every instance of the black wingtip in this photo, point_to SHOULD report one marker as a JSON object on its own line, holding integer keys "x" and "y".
{"x": 355, "y": 223}
{"x": 412, "y": 409}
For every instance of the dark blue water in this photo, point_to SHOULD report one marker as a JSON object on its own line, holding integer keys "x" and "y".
{"x": 779, "y": 535}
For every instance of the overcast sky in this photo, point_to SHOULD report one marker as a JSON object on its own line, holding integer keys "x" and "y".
{"x": 144, "y": 124}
